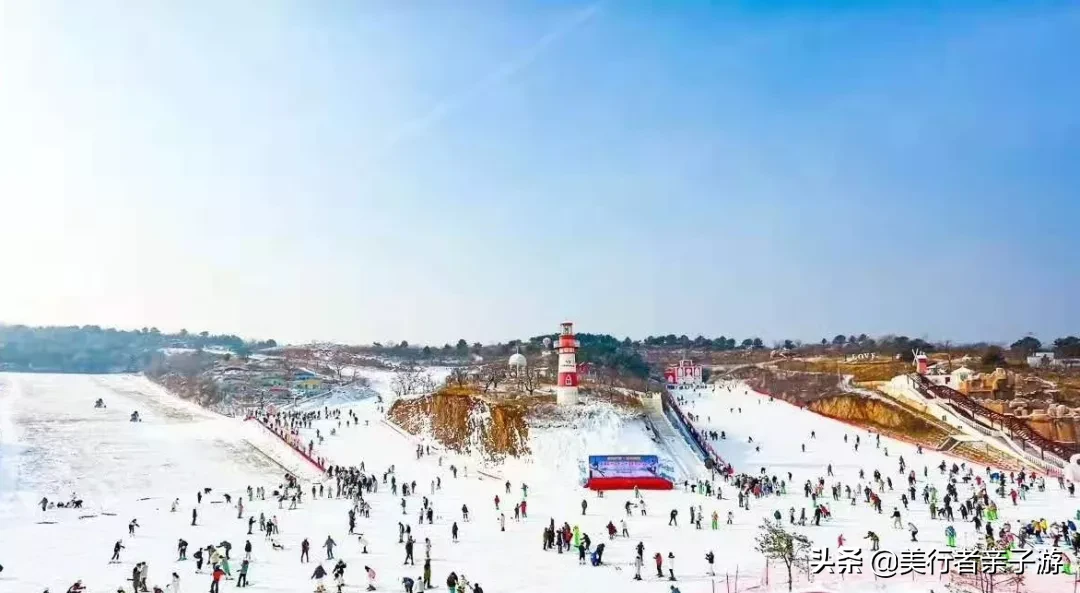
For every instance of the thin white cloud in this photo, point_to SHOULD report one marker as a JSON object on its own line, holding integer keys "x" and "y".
{"x": 448, "y": 105}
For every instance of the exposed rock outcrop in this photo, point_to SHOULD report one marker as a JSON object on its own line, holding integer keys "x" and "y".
{"x": 465, "y": 422}
{"x": 880, "y": 415}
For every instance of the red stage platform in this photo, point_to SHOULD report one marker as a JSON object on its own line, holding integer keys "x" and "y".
{"x": 628, "y": 483}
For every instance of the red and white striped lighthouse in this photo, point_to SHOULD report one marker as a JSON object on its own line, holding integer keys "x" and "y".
{"x": 566, "y": 391}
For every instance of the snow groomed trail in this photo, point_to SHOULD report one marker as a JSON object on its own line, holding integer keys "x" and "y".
{"x": 687, "y": 463}
{"x": 186, "y": 449}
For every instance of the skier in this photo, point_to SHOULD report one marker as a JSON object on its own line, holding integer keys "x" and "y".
{"x": 363, "y": 543}
{"x": 242, "y": 580}
{"x": 305, "y": 546}
{"x": 138, "y": 577}
{"x": 195, "y": 513}
{"x": 247, "y": 550}
{"x": 370, "y": 578}
{"x": 198, "y": 555}
{"x": 131, "y": 526}
{"x": 329, "y": 545}
{"x": 454, "y": 531}
{"x": 673, "y": 520}
{"x": 181, "y": 548}
{"x": 319, "y": 573}
{"x": 584, "y": 505}
{"x": 659, "y": 565}
{"x": 710, "y": 558}
{"x": 671, "y": 566}
{"x": 409, "y": 552}
{"x": 216, "y": 579}
{"x": 116, "y": 551}
{"x": 174, "y": 586}
{"x": 874, "y": 540}
{"x": 339, "y": 574}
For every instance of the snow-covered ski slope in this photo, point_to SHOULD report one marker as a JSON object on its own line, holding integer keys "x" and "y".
{"x": 687, "y": 463}
{"x": 54, "y": 442}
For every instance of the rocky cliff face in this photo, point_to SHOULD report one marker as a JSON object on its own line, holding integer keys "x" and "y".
{"x": 464, "y": 422}
{"x": 880, "y": 415}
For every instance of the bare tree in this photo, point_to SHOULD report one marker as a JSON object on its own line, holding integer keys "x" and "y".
{"x": 290, "y": 359}
{"x": 409, "y": 380}
{"x": 337, "y": 359}
{"x": 400, "y": 384}
{"x": 492, "y": 375}
{"x": 458, "y": 377}
{"x": 778, "y": 544}
{"x": 607, "y": 376}
{"x": 425, "y": 382}
{"x": 529, "y": 379}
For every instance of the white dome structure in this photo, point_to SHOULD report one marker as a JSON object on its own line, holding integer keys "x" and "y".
{"x": 517, "y": 361}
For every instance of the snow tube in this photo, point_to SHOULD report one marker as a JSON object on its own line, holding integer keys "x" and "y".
{"x": 628, "y": 483}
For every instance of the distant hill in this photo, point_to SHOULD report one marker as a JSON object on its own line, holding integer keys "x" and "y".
{"x": 92, "y": 349}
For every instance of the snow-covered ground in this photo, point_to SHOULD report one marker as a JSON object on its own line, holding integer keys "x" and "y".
{"x": 597, "y": 428}
{"x": 54, "y": 442}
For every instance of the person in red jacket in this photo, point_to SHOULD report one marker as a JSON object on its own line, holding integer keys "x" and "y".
{"x": 659, "y": 566}
{"x": 218, "y": 574}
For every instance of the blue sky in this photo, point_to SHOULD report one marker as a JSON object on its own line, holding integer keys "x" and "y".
{"x": 364, "y": 171}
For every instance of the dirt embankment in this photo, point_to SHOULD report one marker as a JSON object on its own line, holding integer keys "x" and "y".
{"x": 465, "y": 422}
{"x": 881, "y": 416}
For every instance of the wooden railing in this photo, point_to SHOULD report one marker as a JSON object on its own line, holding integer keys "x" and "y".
{"x": 1016, "y": 428}
{"x": 699, "y": 442}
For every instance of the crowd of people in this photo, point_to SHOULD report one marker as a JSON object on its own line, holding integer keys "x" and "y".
{"x": 951, "y": 495}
